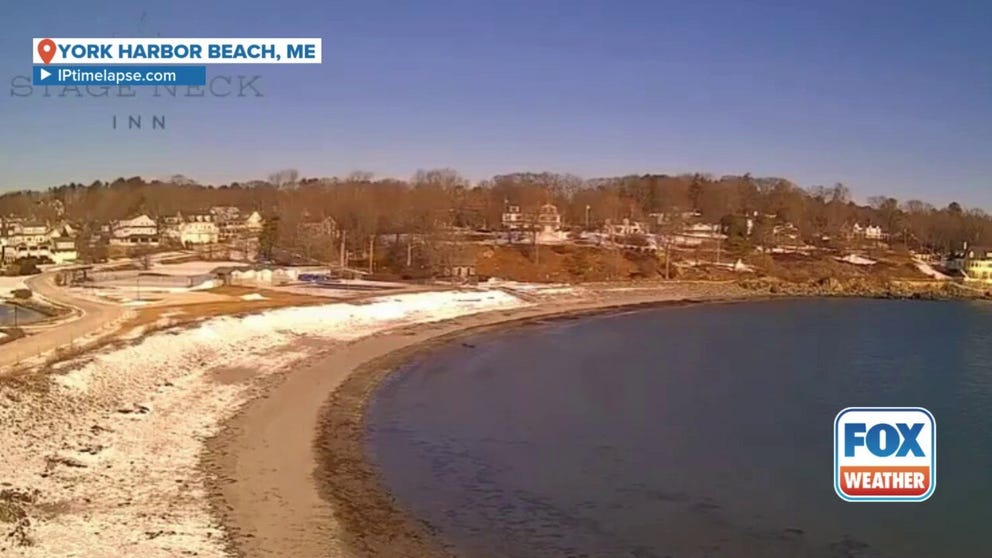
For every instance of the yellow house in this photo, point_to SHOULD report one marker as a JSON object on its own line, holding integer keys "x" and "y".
{"x": 978, "y": 265}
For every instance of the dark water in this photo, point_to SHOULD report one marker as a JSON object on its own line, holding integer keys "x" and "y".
{"x": 24, "y": 315}
{"x": 690, "y": 432}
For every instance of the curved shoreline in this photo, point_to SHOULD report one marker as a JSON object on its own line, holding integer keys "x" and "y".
{"x": 288, "y": 472}
{"x": 348, "y": 480}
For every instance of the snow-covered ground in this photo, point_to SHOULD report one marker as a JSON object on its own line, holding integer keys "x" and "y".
{"x": 855, "y": 259}
{"x": 8, "y": 284}
{"x": 192, "y": 268}
{"x": 537, "y": 289}
{"x": 739, "y": 266}
{"x": 805, "y": 250}
{"x": 929, "y": 271}
{"x": 109, "y": 447}
{"x": 126, "y": 290}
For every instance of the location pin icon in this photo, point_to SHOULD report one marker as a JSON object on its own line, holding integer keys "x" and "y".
{"x": 46, "y": 50}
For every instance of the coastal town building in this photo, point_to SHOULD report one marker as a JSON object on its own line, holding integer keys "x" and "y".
{"x": 695, "y": 234}
{"x": 785, "y": 233}
{"x": 225, "y": 213}
{"x": 663, "y": 219}
{"x": 548, "y": 218}
{"x": 20, "y": 240}
{"x": 459, "y": 266}
{"x": 198, "y": 229}
{"x": 219, "y": 225}
{"x": 140, "y": 231}
{"x": 625, "y": 227}
{"x": 168, "y": 227}
{"x": 974, "y": 263}
{"x": 541, "y": 227}
{"x": 234, "y": 225}
{"x": 62, "y": 245}
{"x": 513, "y": 218}
{"x": 318, "y": 228}
{"x": 254, "y": 223}
{"x": 865, "y": 232}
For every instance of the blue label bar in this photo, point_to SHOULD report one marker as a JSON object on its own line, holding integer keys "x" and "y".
{"x": 119, "y": 75}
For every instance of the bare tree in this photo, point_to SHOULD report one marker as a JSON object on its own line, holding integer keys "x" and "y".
{"x": 286, "y": 178}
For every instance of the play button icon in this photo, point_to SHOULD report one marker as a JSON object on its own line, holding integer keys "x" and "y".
{"x": 44, "y": 74}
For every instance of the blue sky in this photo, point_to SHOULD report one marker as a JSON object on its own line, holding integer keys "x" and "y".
{"x": 886, "y": 97}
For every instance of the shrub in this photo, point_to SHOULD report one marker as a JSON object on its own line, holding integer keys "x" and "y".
{"x": 27, "y": 266}
{"x": 22, "y": 294}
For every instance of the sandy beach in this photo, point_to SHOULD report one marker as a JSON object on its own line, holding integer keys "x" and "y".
{"x": 241, "y": 435}
{"x": 287, "y": 473}
{"x": 102, "y": 452}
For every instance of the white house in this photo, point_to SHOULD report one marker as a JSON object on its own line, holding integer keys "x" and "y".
{"x": 974, "y": 263}
{"x": 198, "y": 229}
{"x": 168, "y": 227}
{"x": 254, "y": 223}
{"x": 62, "y": 244}
{"x": 695, "y": 234}
{"x": 626, "y": 227}
{"x": 139, "y": 231}
{"x": 225, "y": 213}
{"x": 869, "y": 232}
{"x": 34, "y": 240}
{"x": 548, "y": 218}
{"x": 513, "y": 218}
{"x": 231, "y": 224}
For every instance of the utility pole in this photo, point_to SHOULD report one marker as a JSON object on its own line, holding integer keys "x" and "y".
{"x": 409, "y": 251}
{"x": 587, "y": 216}
{"x": 668, "y": 258}
{"x": 371, "y": 252}
{"x": 342, "y": 257}
{"x": 537, "y": 254}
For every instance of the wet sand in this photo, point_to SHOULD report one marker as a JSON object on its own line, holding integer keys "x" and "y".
{"x": 289, "y": 476}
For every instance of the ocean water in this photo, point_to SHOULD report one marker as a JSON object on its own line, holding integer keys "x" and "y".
{"x": 702, "y": 431}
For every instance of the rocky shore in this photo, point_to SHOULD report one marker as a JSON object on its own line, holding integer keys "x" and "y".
{"x": 865, "y": 288}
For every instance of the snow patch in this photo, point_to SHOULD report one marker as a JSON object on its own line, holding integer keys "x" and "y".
{"x": 929, "y": 271}
{"x": 11, "y": 284}
{"x": 192, "y": 268}
{"x": 115, "y": 443}
{"x": 856, "y": 260}
{"x": 204, "y": 286}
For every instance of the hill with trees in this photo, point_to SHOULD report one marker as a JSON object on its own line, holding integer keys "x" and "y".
{"x": 441, "y": 199}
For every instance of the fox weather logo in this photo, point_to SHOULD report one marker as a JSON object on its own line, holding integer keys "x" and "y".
{"x": 885, "y": 454}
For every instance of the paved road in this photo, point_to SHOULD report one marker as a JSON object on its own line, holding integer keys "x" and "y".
{"x": 92, "y": 316}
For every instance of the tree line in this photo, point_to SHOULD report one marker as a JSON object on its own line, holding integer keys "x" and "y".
{"x": 441, "y": 199}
